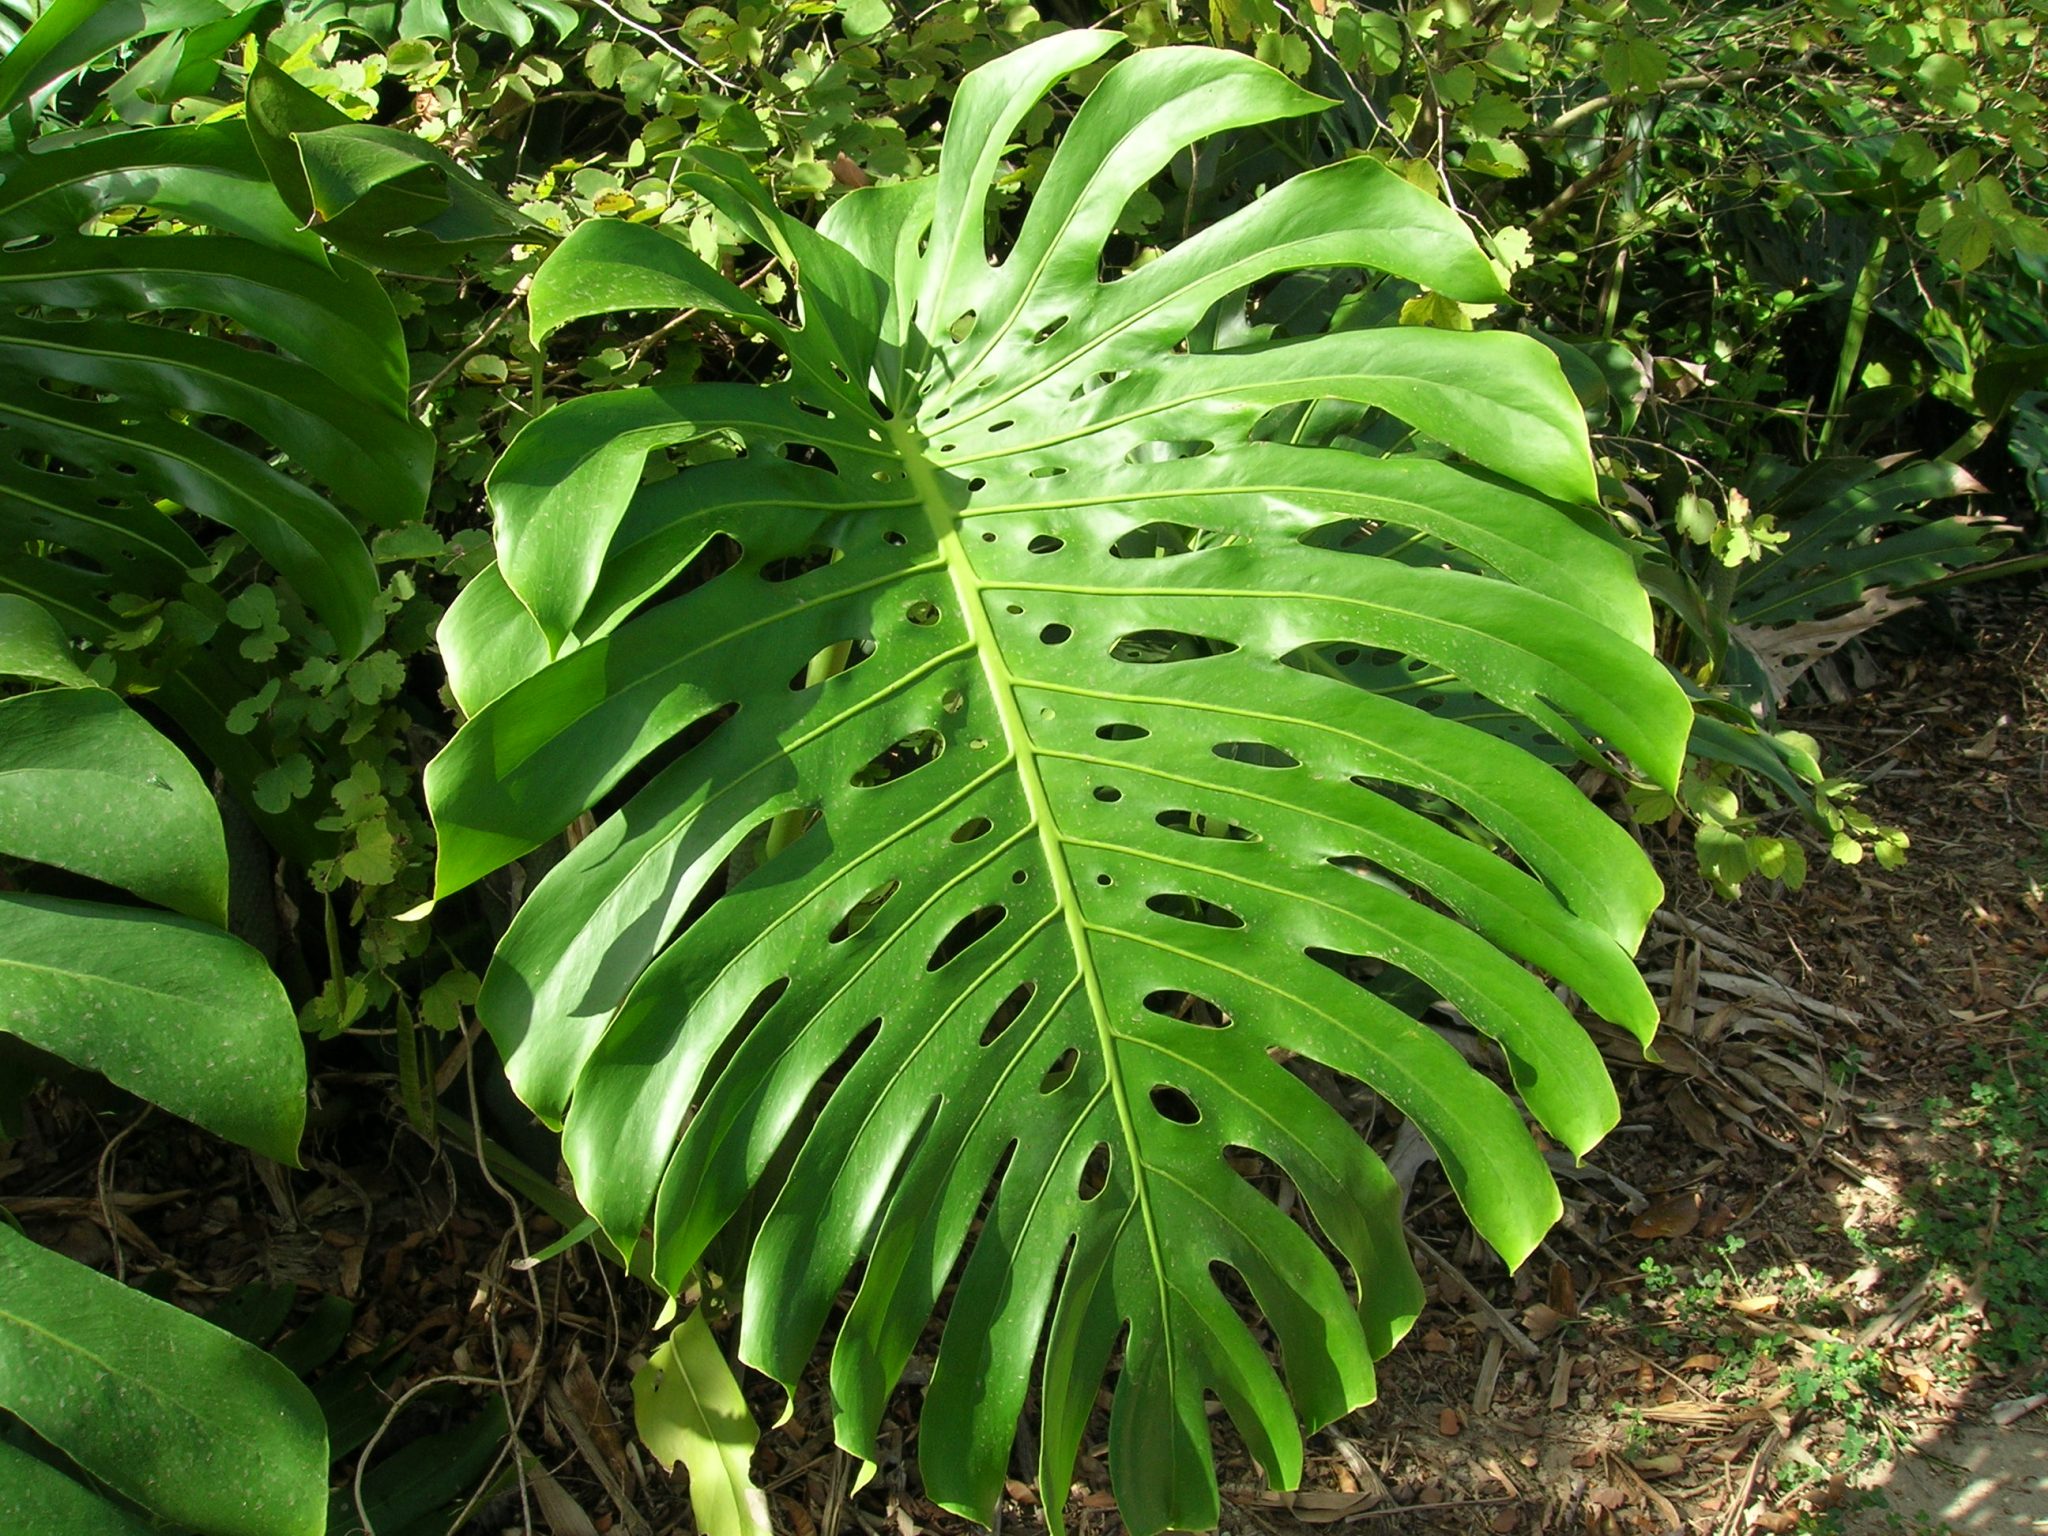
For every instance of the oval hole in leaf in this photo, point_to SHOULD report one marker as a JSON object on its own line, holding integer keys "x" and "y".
{"x": 971, "y": 828}
{"x": 963, "y": 934}
{"x": 1046, "y": 544}
{"x": 789, "y": 567}
{"x": 1046, "y": 333}
{"x": 1255, "y": 754}
{"x": 1205, "y": 826}
{"x": 720, "y": 553}
{"x": 899, "y": 759}
{"x": 834, "y": 660}
{"x": 1193, "y": 909}
{"x": 1008, "y": 1011}
{"x": 1156, "y": 540}
{"x": 1118, "y": 730}
{"x": 1186, "y": 1008}
{"x": 862, "y": 912}
{"x": 1174, "y": 1105}
{"x": 1094, "y": 1173}
{"x": 922, "y": 613}
{"x": 1162, "y": 452}
{"x": 961, "y": 326}
{"x": 1055, "y": 634}
{"x": 1108, "y": 794}
{"x": 1061, "y": 1072}
{"x": 650, "y": 767}
{"x": 1156, "y": 647}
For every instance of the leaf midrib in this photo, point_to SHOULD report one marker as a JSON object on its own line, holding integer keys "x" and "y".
{"x": 967, "y": 592}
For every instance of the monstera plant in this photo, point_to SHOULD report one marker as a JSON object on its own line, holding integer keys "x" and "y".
{"x": 1011, "y": 761}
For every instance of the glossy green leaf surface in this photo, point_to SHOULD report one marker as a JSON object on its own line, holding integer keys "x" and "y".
{"x": 33, "y": 646}
{"x": 87, "y": 785}
{"x": 205, "y": 1430}
{"x": 35, "y": 1496}
{"x": 172, "y": 1010}
{"x": 1014, "y": 760}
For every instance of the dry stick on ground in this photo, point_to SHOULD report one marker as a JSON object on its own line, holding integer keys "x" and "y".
{"x": 1523, "y": 1345}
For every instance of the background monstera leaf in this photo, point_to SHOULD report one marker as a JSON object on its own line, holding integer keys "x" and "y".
{"x": 1009, "y": 762}
{"x": 186, "y": 374}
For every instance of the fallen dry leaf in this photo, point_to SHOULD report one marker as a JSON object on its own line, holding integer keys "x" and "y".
{"x": 1316, "y": 1506}
{"x": 1541, "y": 1320}
{"x": 1673, "y": 1216}
{"x": 1564, "y": 1294}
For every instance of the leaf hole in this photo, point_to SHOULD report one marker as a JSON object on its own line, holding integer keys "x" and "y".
{"x": 1048, "y": 471}
{"x": 1105, "y": 880}
{"x": 1046, "y": 333}
{"x": 1108, "y": 794}
{"x": 922, "y": 613}
{"x": 970, "y": 829}
{"x": 863, "y": 912}
{"x": 721, "y": 552}
{"x": 834, "y": 660}
{"x": 964, "y": 934}
{"x": 962, "y": 327}
{"x": 663, "y": 757}
{"x": 1255, "y": 754}
{"x": 789, "y": 567}
{"x": 1193, "y": 909}
{"x": 1046, "y": 544}
{"x": 1157, "y": 540}
{"x": 1008, "y": 1011}
{"x": 1055, "y": 634}
{"x": 1205, "y": 826}
{"x": 1094, "y": 1173}
{"x": 1187, "y": 1008}
{"x": 1172, "y": 1104}
{"x": 894, "y": 538}
{"x": 1118, "y": 730}
{"x": 1061, "y": 1072}
{"x": 1159, "y": 647}
{"x": 1165, "y": 452}
{"x": 1019, "y": 876}
{"x": 900, "y": 759}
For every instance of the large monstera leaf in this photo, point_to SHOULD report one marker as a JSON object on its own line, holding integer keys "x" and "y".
{"x": 1011, "y": 768}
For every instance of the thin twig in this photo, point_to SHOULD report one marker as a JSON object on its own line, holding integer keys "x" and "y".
{"x": 672, "y": 49}
{"x": 103, "y": 1180}
{"x": 476, "y": 345}
{"x": 1522, "y": 1344}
